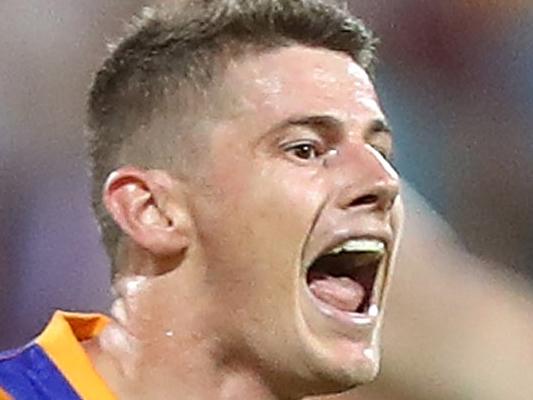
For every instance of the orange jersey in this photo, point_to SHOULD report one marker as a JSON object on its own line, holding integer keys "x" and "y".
{"x": 55, "y": 366}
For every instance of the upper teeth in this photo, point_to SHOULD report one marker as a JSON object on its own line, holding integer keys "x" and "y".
{"x": 360, "y": 245}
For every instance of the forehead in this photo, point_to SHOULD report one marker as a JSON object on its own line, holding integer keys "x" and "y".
{"x": 301, "y": 80}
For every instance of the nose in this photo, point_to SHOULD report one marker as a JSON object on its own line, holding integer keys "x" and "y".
{"x": 369, "y": 181}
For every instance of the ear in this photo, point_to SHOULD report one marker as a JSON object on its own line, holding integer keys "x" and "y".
{"x": 150, "y": 208}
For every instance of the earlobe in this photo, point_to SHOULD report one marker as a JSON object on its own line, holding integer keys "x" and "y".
{"x": 143, "y": 205}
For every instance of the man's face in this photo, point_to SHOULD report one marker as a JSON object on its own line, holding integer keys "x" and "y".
{"x": 298, "y": 171}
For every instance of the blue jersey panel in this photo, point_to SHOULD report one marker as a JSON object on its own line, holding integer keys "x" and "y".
{"x": 28, "y": 374}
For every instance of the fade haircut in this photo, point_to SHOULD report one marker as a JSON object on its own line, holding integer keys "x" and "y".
{"x": 179, "y": 50}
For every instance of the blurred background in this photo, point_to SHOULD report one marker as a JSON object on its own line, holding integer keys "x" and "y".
{"x": 456, "y": 78}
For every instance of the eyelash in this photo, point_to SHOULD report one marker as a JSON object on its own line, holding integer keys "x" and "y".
{"x": 318, "y": 151}
{"x": 312, "y": 145}
{"x": 387, "y": 155}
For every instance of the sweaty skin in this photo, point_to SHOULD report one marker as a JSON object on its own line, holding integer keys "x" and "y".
{"x": 213, "y": 303}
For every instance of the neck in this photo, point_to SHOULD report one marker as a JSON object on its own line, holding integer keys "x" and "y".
{"x": 178, "y": 366}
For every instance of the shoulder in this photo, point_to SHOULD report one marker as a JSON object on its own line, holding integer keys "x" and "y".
{"x": 55, "y": 365}
{"x": 28, "y": 373}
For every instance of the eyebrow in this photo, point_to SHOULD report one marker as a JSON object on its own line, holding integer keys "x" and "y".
{"x": 380, "y": 125}
{"x": 314, "y": 120}
{"x": 328, "y": 123}
{"x": 377, "y": 125}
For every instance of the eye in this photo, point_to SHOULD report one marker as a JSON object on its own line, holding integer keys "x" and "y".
{"x": 304, "y": 150}
{"x": 385, "y": 153}
{"x": 381, "y": 151}
{"x": 381, "y": 141}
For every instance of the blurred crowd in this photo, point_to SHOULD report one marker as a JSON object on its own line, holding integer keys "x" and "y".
{"x": 456, "y": 78}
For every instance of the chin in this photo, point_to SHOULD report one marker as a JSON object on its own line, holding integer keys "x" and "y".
{"x": 339, "y": 380}
{"x": 339, "y": 354}
{"x": 348, "y": 377}
{"x": 337, "y": 364}
{"x": 347, "y": 372}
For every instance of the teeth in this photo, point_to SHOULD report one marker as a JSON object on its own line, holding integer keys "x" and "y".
{"x": 360, "y": 245}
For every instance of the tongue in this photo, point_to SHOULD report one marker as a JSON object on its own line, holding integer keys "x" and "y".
{"x": 340, "y": 292}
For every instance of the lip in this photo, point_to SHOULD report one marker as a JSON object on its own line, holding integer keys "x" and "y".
{"x": 383, "y": 236}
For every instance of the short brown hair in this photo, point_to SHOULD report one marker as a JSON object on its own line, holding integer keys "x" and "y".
{"x": 179, "y": 46}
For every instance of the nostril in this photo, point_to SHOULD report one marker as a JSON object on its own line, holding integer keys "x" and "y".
{"x": 363, "y": 200}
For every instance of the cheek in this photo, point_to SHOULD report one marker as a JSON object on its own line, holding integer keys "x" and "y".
{"x": 282, "y": 209}
{"x": 254, "y": 227}
{"x": 272, "y": 194}
{"x": 288, "y": 199}
{"x": 264, "y": 214}
{"x": 230, "y": 176}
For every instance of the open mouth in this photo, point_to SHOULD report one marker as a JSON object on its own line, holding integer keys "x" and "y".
{"x": 346, "y": 278}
